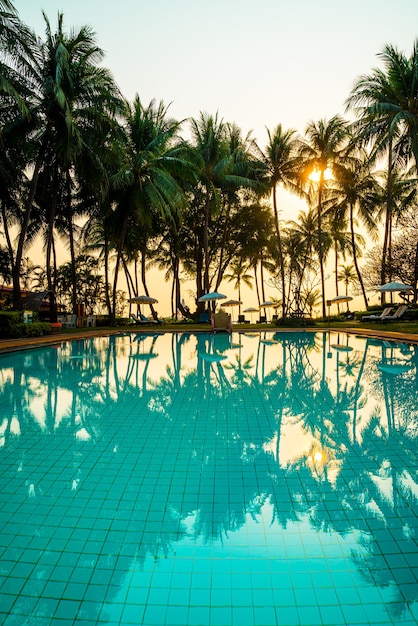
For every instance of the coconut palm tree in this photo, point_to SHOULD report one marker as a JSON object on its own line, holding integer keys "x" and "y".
{"x": 302, "y": 243}
{"x": 238, "y": 274}
{"x": 280, "y": 165}
{"x": 148, "y": 180}
{"x": 72, "y": 99}
{"x": 320, "y": 152}
{"x": 224, "y": 167}
{"x": 347, "y": 276}
{"x": 386, "y": 105}
{"x": 358, "y": 200}
{"x": 16, "y": 44}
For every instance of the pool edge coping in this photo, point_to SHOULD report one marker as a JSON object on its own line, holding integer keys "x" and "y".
{"x": 16, "y": 345}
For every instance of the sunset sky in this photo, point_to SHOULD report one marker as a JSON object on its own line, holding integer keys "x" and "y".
{"x": 257, "y": 64}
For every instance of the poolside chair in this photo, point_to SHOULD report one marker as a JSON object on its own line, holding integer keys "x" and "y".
{"x": 69, "y": 321}
{"x": 377, "y": 318}
{"x": 221, "y": 322}
{"x": 91, "y": 321}
{"x": 204, "y": 318}
{"x": 142, "y": 320}
{"x": 400, "y": 311}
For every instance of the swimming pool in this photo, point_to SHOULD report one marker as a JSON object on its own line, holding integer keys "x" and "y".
{"x": 185, "y": 479}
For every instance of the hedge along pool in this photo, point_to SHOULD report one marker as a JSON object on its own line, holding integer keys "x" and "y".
{"x": 190, "y": 479}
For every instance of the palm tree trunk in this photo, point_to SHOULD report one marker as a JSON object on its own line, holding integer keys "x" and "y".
{"x": 354, "y": 253}
{"x": 17, "y": 296}
{"x": 280, "y": 250}
{"x": 7, "y": 236}
{"x": 320, "y": 251}
{"x": 263, "y": 295}
{"x": 336, "y": 272}
{"x": 72, "y": 247}
{"x": 49, "y": 246}
{"x": 257, "y": 289}
{"x": 106, "y": 269}
{"x": 118, "y": 259}
{"x": 415, "y": 283}
{"x": 386, "y": 241}
{"x": 206, "y": 244}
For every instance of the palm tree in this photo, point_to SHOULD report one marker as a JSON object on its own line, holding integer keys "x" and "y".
{"x": 348, "y": 276}
{"x": 301, "y": 240}
{"x": 239, "y": 274}
{"x": 280, "y": 165}
{"x": 320, "y": 152}
{"x": 72, "y": 99}
{"x": 358, "y": 200}
{"x": 403, "y": 198}
{"x": 148, "y": 180}
{"x": 17, "y": 44}
{"x": 386, "y": 104}
{"x": 224, "y": 166}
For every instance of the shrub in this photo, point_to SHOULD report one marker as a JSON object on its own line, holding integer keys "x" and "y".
{"x": 36, "y": 329}
{"x": 12, "y": 325}
{"x": 294, "y": 322}
{"x": 9, "y": 319}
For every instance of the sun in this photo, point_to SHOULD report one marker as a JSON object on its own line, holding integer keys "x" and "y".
{"x": 315, "y": 175}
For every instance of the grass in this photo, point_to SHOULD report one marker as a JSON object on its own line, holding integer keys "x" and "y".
{"x": 399, "y": 327}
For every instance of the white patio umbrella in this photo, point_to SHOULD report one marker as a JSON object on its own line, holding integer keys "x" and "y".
{"x": 341, "y": 299}
{"x": 212, "y": 297}
{"x": 266, "y": 304}
{"x": 393, "y": 287}
{"x": 251, "y": 310}
{"x": 209, "y": 297}
{"x": 142, "y": 300}
{"x": 231, "y": 303}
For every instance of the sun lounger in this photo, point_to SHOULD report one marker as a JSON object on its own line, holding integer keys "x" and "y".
{"x": 377, "y": 318}
{"x": 400, "y": 311}
{"x": 141, "y": 320}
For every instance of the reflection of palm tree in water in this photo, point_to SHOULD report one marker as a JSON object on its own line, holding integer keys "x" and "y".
{"x": 225, "y": 435}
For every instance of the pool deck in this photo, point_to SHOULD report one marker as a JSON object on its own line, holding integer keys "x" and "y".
{"x": 13, "y": 345}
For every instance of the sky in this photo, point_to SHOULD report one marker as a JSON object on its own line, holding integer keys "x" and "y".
{"x": 257, "y": 64}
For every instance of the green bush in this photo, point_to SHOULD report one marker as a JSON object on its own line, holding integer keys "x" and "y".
{"x": 294, "y": 322}
{"x": 12, "y": 325}
{"x": 36, "y": 329}
{"x": 9, "y": 319}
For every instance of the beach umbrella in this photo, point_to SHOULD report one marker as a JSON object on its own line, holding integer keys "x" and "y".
{"x": 341, "y": 299}
{"x": 231, "y": 303}
{"x": 251, "y": 310}
{"x": 393, "y": 368}
{"x": 341, "y": 347}
{"x": 142, "y": 300}
{"x": 393, "y": 287}
{"x": 266, "y": 304}
{"x": 210, "y": 297}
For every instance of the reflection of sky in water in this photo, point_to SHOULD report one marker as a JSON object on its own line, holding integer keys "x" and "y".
{"x": 191, "y": 479}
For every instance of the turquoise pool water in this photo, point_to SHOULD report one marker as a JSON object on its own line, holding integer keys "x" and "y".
{"x": 181, "y": 479}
